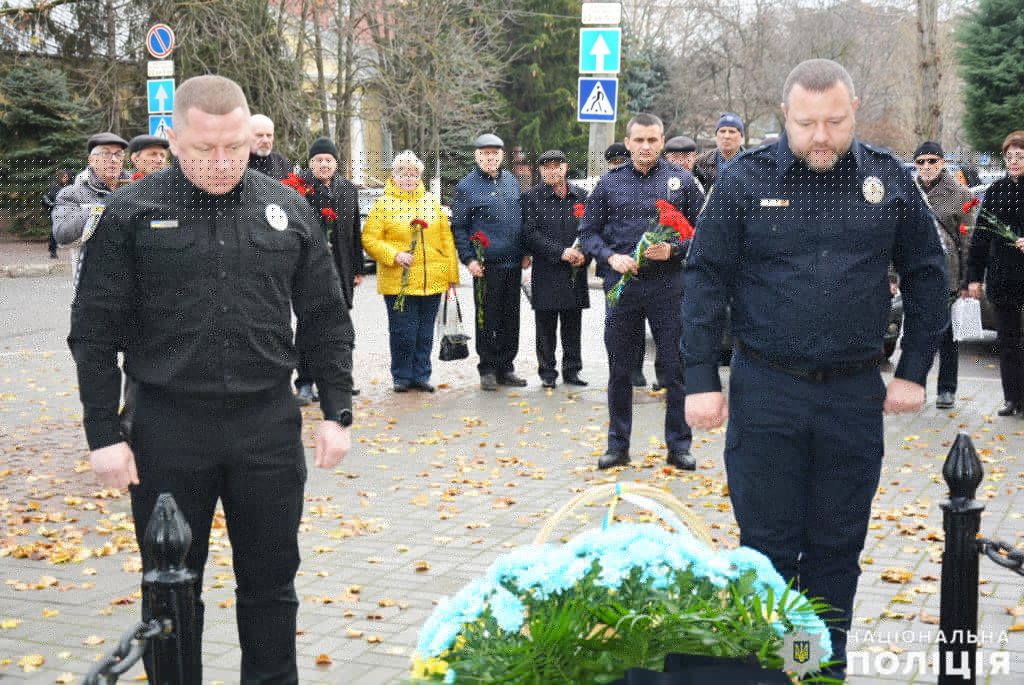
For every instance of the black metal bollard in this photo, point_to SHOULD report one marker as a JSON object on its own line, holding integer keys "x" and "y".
{"x": 170, "y": 596}
{"x": 961, "y": 520}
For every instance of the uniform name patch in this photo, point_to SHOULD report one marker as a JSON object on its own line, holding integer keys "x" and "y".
{"x": 774, "y": 202}
{"x": 164, "y": 223}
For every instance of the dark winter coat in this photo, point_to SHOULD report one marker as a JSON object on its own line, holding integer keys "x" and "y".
{"x": 991, "y": 257}
{"x": 345, "y": 235}
{"x": 274, "y": 165}
{"x": 550, "y": 226}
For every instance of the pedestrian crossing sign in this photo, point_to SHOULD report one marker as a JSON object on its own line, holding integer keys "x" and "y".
{"x": 597, "y": 99}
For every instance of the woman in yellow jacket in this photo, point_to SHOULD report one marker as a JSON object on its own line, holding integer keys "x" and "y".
{"x": 408, "y": 230}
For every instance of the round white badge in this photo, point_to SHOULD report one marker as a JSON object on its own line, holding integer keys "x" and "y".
{"x": 873, "y": 189}
{"x": 674, "y": 183}
{"x": 276, "y": 217}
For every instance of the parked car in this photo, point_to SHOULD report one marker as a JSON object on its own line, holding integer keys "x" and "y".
{"x": 368, "y": 196}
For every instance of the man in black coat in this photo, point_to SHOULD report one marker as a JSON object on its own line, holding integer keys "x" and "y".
{"x": 336, "y": 202}
{"x": 262, "y": 156}
{"x": 551, "y": 220}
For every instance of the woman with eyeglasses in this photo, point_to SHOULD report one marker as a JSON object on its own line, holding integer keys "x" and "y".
{"x": 1000, "y": 264}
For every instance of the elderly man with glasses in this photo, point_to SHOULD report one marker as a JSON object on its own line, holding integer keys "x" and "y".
{"x": 946, "y": 196}
{"x": 78, "y": 208}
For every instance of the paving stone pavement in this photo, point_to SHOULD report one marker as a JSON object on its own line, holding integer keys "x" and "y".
{"x": 436, "y": 487}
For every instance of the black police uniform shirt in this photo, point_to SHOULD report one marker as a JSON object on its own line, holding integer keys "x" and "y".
{"x": 802, "y": 257}
{"x": 622, "y": 208}
{"x": 198, "y": 291}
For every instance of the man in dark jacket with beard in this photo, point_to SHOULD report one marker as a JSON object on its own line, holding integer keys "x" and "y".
{"x": 551, "y": 220}
{"x": 336, "y": 202}
{"x": 946, "y": 196}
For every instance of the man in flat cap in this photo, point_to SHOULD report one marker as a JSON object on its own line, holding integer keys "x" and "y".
{"x": 148, "y": 154}
{"x": 681, "y": 151}
{"x": 616, "y": 155}
{"x": 729, "y": 137}
{"x": 78, "y": 208}
{"x": 487, "y": 201}
{"x": 551, "y": 223}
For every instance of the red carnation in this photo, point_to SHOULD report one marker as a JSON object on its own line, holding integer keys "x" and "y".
{"x": 328, "y": 214}
{"x": 963, "y": 229}
{"x": 420, "y": 223}
{"x": 481, "y": 238}
{"x": 138, "y": 175}
{"x": 579, "y": 209}
{"x": 970, "y": 204}
{"x": 674, "y": 219}
{"x": 294, "y": 181}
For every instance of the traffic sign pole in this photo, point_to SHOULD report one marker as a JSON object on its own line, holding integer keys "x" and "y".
{"x": 160, "y": 86}
{"x": 600, "y": 59}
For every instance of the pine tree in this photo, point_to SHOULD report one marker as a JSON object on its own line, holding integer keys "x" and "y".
{"x": 41, "y": 129}
{"x": 543, "y": 77}
{"x": 991, "y": 57}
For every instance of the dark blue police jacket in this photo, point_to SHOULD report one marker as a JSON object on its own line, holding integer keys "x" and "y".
{"x": 483, "y": 203}
{"x": 802, "y": 257}
{"x": 621, "y": 209}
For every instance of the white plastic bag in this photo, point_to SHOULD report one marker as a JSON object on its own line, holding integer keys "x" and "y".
{"x": 965, "y": 318}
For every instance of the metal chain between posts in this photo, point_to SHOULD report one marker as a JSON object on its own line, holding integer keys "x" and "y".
{"x": 129, "y": 650}
{"x": 1003, "y": 554}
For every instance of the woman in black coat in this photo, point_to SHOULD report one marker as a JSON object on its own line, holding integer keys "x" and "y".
{"x": 1001, "y": 264}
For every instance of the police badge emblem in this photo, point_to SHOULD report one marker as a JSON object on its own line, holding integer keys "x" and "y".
{"x": 873, "y": 189}
{"x": 801, "y": 653}
{"x": 276, "y": 217}
{"x": 674, "y": 183}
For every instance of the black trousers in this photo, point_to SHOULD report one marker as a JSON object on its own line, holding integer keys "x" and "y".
{"x": 497, "y": 340}
{"x": 1011, "y": 346}
{"x": 547, "y": 340}
{"x": 245, "y": 451}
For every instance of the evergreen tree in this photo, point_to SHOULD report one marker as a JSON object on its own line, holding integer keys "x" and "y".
{"x": 542, "y": 80}
{"x": 991, "y": 57}
{"x": 41, "y": 129}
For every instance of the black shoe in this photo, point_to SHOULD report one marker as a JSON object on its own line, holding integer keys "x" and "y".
{"x": 944, "y": 400}
{"x": 548, "y": 384}
{"x": 511, "y": 379}
{"x": 682, "y": 460}
{"x": 422, "y": 386}
{"x": 304, "y": 396}
{"x": 574, "y": 380}
{"x": 613, "y": 458}
{"x": 53, "y": 255}
{"x": 1009, "y": 409}
{"x": 355, "y": 391}
{"x": 638, "y": 379}
{"x": 401, "y": 386}
{"x": 657, "y": 387}
{"x": 488, "y": 382}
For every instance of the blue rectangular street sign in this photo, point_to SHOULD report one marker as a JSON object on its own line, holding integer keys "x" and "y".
{"x": 159, "y": 125}
{"x": 600, "y": 51}
{"x": 160, "y": 94}
{"x": 597, "y": 98}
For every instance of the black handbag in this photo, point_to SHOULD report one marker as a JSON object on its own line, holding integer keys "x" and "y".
{"x": 453, "y": 340}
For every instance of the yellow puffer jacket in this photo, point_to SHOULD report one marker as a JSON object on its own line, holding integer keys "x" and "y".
{"x": 388, "y": 231}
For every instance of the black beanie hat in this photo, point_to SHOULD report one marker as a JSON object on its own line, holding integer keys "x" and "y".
{"x": 929, "y": 147}
{"x": 323, "y": 146}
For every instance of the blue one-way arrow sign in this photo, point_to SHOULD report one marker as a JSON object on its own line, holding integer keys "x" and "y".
{"x": 159, "y": 125}
{"x": 600, "y": 50}
{"x": 597, "y": 98}
{"x": 160, "y": 93}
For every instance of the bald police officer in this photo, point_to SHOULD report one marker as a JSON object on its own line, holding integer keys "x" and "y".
{"x": 798, "y": 236}
{"x": 194, "y": 273}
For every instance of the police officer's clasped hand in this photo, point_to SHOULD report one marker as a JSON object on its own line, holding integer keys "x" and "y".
{"x": 706, "y": 410}
{"x": 903, "y": 396}
{"x": 332, "y": 444}
{"x": 114, "y": 465}
{"x": 573, "y": 256}
{"x": 622, "y": 263}
{"x": 658, "y": 252}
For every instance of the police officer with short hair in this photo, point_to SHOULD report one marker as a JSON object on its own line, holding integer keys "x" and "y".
{"x": 619, "y": 211}
{"x": 194, "y": 273}
{"x": 798, "y": 237}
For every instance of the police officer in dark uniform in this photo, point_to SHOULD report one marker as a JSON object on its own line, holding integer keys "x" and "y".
{"x": 799, "y": 236}
{"x": 619, "y": 211}
{"x": 193, "y": 273}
